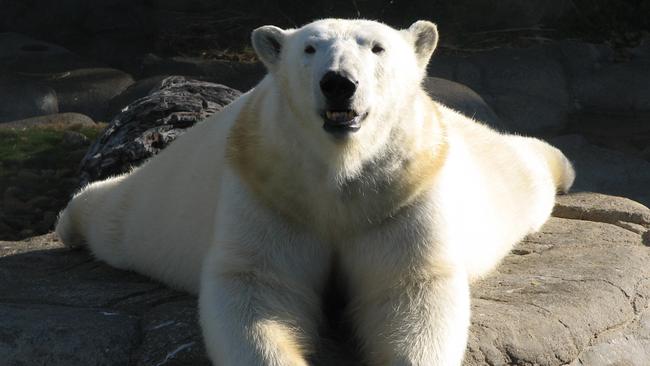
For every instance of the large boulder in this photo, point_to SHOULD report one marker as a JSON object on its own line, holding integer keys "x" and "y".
{"x": 576, "y": 293}
{"x": 21, "y": 99}
{"x": 614, "y": 101}
{"x": 89, "y": 90}
{"x": 461, "y": 98}
{"x": 603, "y": 170}
{"x": 527, "y": 88}
{"x": 52, "y": 120}
{"x": 149, "y": 124}
{"x": 68, "y": 309}
{"x": 238, "y": 75}
{"x": 26, "y": 55}
{"x": 560, "y": 88}
{"x": 40, "y": 78}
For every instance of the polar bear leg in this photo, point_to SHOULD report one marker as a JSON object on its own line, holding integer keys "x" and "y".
{"x": 256, "y": 316}
{"x": 252, "y": 321}
{"x": 420, "y": 322}
{"x": 259, "y": 302}
{"x": 94, "y": 217}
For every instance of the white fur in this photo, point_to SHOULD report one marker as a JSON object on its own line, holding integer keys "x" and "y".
{"x": 417, "y": 203}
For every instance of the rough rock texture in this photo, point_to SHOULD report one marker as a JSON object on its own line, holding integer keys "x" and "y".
{"x": 574, "y": 294}
{"x": 28, "y": 56}
{"x": 19, "y": 99}
{"x": 606, "y": 171}
{"x": 63, "y": 308}
{"x": 120, "y": 29}
{"x": 565, "y": 86}
{"x": 88, "y": 90}
{"x": 614, "y": 102}
{"x": 59, "y": 119}
{"x": 239, "y": 75}
{"x": 36, "y": 186}
{"x": 49, "y": 78}
{"x": 461, "y": 98}
{"x": 151, "y": 123}
{"x": 135, "y": 91}
{"x": 527, "y": 88}
{"x": 622, "y": 212}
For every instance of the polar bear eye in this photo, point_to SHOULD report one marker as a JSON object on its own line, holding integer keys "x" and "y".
{"x": 310, "y": 49}
{"x": 377, "y": 49}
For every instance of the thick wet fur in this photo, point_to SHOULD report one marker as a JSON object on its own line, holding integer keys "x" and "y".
{"x": 249, "y": 208}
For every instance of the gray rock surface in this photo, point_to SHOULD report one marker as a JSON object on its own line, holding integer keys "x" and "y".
{"x": 72, "y": 330}
{"x": 563, "y": 88}
{"x": 139, "y": 89}
{"x": 559, "y": 87}
{"x": 643, "y": 50}
{"x": 27, "y": 56}
{"x": 60, "y": 307}
{"x": 472, "y": 14}
{"x": 50, "y": 78}
{"x": 606, "y": 171}
{"x": 614, "y": 101}
{"x": 112, "y": 27}
{"x": 623, "y": 86}
{"x": 527, "y": 88}
{"x": 461, "y": 98}
{"x": 149, "y": 124}
{"x": 89, "y": 90}
{"x": 20, "y": 99}
{"x": 574, "y": 294}
{"x": 238, "y": 75}
{"x": 568, "y": 295}
{"x": 59, "y": 119}
{"x": 621, "y": 211}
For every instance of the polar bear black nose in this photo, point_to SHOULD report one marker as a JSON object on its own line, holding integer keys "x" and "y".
{"x": 337, "y": 86}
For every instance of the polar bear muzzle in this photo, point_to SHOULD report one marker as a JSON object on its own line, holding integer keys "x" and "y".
{"x": 338, "y": 88}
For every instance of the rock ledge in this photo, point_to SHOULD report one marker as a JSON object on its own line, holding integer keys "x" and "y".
{"x": 575, "y": 294}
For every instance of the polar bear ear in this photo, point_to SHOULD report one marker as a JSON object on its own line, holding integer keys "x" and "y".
{"x": 268, "y": 42}
{"x": 425, "y": 39}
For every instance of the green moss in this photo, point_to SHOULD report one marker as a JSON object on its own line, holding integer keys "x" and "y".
{"x": 37, "y": 162}
{"x": 37, "y": 147}
{"x": 38, "y": 174}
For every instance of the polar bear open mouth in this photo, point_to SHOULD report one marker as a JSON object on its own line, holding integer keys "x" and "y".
{"x": 342, "y": 121}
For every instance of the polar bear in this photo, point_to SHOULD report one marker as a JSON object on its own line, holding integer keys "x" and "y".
{"x": 336, "y": 161}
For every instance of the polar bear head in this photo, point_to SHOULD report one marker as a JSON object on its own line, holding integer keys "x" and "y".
{"x": 347, "y": 80}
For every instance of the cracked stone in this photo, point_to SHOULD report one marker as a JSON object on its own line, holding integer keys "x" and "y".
{"x": 606, "y": 171}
